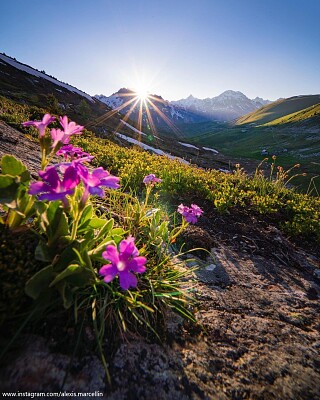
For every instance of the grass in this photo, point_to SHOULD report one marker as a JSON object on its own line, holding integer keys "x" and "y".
{"x": 278, "y": 109}
{"x": 298, "y": 117}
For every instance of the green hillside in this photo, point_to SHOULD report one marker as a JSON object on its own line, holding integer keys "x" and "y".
{"x": 307, "y": 116}
{"x": 278, "y": 109}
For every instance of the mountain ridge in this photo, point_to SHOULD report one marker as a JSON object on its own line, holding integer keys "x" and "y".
{"x": 227, "y": 106}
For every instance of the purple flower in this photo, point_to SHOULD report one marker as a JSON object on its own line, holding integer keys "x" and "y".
{"x": 93, "y": 180}
{"x": 57, "y": 136}
{"x": 70, "y": 128}
{"x": 41, "y": 125}
{"x": 151, "y": 178}
{"x": 190, "y": 214}
{"x": 52, "y": 187}
{"x": 73, "y": 152}
{"x": 123, "y": 263}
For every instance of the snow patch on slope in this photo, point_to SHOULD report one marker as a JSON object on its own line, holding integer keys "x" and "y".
{"x": 209, "y": 149}
{"x": 147, "y": 147}
{"x": 189, "y": 145}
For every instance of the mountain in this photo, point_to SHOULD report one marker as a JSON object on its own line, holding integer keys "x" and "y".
{"x": 162, "y": 113}
{"x": 33, "y": 76}
{"x": 227, "y": 106}
{"x": 283, "y": 110}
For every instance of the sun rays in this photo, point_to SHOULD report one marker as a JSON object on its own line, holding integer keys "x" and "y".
{"x": 142, "y": 105}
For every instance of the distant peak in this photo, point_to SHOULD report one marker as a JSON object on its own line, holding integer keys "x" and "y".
{"x": 123, "y": 90}
{"x": 231, "y": 93}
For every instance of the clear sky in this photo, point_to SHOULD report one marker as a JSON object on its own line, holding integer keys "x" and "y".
{"x": 266, "y": 48}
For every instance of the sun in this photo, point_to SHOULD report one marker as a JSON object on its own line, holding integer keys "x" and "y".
{"x": 141, "y": 92}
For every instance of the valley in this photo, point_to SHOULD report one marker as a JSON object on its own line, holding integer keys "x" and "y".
{"x": 287, "y": 128}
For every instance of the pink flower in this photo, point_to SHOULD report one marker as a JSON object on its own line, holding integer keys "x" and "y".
{"x": 190, "y": 214}
{"x": 70, "y": 128}
{"x": 123, "y": 263}
{"x": 57, "y": 136}
{"x": 41, "y": 125}
{"x": 151, "y": 178}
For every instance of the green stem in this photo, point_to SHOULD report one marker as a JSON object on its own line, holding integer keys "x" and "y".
{"x": 180, "y": 230}
{"x": 44, "y": 162}
{"x": 75, "y": 226}
{"x": 149, "y": 188}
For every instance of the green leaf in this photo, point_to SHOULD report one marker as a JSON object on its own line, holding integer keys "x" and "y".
{"x": 40, "y": 206}
{"x": 39, "y": 282}
{"x": 117, "y": 231}
{"x": 66, "y": 294}
{"x": 54, "y": 222}
{"x": 70, "y": 270}
{"x": 42, "y": 252}
{"x": 8, "y": 189}
{"x": 67, "y": 257}
{"x": 25, "y": 176}
{"x": 97, "y": 251}
{"x": 105, "y": 229}
{"x": 97, "y": 223}
{"x": 83, "y": 278}
{"x": 10, "y": 165}
{"x": 59, "y": 226}
{"x": 86, "y": 216}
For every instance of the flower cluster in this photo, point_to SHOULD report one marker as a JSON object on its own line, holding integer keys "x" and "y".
{"x": 151, "y": 179}
{"x": 53, "y": 187}
{"x": 57, "y": 135}
{"x": 123, "y": 263}
{"x": 190, "y": 214}
{"x": 60, "y": 180}
{"x": 71, "y": 152}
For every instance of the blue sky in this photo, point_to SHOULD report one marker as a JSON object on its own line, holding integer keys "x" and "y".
{"x": 173, "y": 48}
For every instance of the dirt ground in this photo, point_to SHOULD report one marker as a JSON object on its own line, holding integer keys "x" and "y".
{"x": 257, "y": 335}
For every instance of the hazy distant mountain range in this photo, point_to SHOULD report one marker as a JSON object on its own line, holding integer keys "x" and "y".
{"x": 228, "y": 106}
{"x": 162, "y": 112}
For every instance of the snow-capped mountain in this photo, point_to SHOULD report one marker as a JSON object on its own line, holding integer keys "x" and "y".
{"x": 227, "y": 106}
{"x": 127, "y": 102}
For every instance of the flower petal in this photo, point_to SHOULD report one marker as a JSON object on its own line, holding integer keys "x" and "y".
{"x": 52, "y": 196}
{"x": 127, "y": 279}
{"x": 137, "y": 264}
{"x": 71, "y": 178}
{"x": 50, "y": 175}
{"x": 37, "y": 187}
{"x": 111, "y": 254}
{"x": 127, "y": 248}
{"x": 108, "y": 271}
